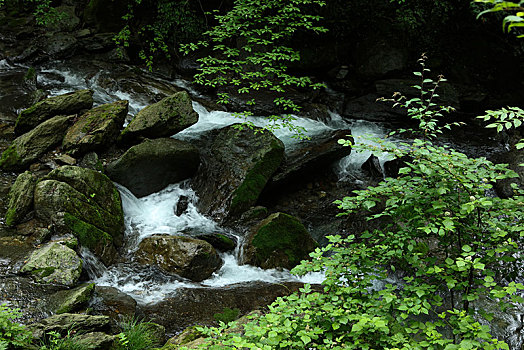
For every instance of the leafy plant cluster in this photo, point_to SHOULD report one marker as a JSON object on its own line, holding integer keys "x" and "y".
{"x": 174, "y": 22}
{"x": 252, "y": 51}
{"x": 12, "y": 334}
{"x": 44, "y": 13}
{"x": 513, "y": 21}
{"x": 444, "y": 249}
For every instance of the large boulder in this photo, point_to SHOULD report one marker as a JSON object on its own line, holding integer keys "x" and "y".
{"x": 68, "y": 322}
{"x": 236, "y": 170}
{"x": 110, "y": 301}
{"x": 72, "y": 300}
{"x": 54, "y": 263}
{"x": 96, "y": 128}
{"x": 310, "y": 160}
{"x": 152, "y": 165}
{"x": 165, "y": 118}
{"x": 85, "y": 203}
{"x": 187, "y": 257}
{"x": 278, "y": 241}
{"x": 199, "y": 305}
{"x": 20, "y": 198}
{"x": 70, "y": 103}
{"x": 29, "y": 147}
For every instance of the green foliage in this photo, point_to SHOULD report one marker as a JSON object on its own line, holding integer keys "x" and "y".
{"x": 512, "y": 22}
{"x": 441, "y": 247}
{"x": 135, "y": 335}
{"x": 424, "y": 109}
{"x": 228, "y": 315}
{"x": 12, "y": 334}
{"x": 45, "y": 14}
{"x": 252, "y": 52}
{"x": 174, "y": 22}
{"x": 505, "y": 119}
{"x": 55, "y": 341}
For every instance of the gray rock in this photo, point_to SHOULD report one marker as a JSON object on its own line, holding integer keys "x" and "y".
{"x": 85, "y": 203}
{"x": 280, "y": 240}
{"x": 29, "y": 147}
{"x": 66, "y": 301}
{"x": 96, "y": 129}
{"x": 20, "y": 198}
{"x": 235, "y": 170}
{"x": 68, "y": 322}
{"x": 187, "y": 257}
{"x": 69, "y": 103}
{"x": 372, "y": 167}
{"x": 111, "y": 302}
{"x": 165, "y": 118}
{"x": 54, "y": 263}
{"x": 152, "y": 165}
{"x": 96, "y": 340}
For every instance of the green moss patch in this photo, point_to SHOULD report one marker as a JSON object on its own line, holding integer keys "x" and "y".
{"x": 88, "y": 235}
{"x": 10, "y": 159}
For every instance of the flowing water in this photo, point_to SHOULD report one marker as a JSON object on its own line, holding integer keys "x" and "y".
{"x": 156, "y": 213}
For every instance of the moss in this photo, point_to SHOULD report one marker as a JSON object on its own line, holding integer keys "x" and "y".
{"x": 247, "y": 193}
{"x": 226, "y": 316}
{"x": 281, "y": 233}
{"x": 226, "y": 240}
{"x": 44, "y": 272}
{"x": 30, "y": 74}
{"x": 87, "y": 234}
{"x": 10, "y": 158}
{"x": 78, "y": 297}
{"x": 10, "y": 217}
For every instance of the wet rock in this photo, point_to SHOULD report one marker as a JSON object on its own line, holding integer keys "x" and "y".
{"x": 91, "y": 161}
{"x": 372, "y": 167}
{"x": 96, "y": 129}
{"x": 96, "y": 340}
{"x": 70, "y": 103}
{"x": 514, "y": 157}
{"x": 13, "y": 253}
{"x": 235, "y": 170}
{"x": 219, "y": 241}
{"x": 187, "y": 257}
{"x": 54, "y": 263}
{"x": 37, "y": 231}
{"x": 27, "y": 295}
{"x": 165, "y": 118}
{"x": 20, "y": 198}
{"x": 85, "y": 203}
{"x": 152, "y": 165}
{"x": 392, "y": 167}
{"x": 66, "y": 301}
{"x": 198, "y": 305}
{"x": 368, "y": 108}
{"x": 60, "y": 45}
{"x": 278, "y": 241}
{"x": 182, "y": 205}
{"x": 65, "y": 159}
{"x": 110, "y": 301}
{"x": 32, "y": 145}
{"x": 310, "y": 160}
{"x": 68, "y": 20}
{"x": 70, "y": 322}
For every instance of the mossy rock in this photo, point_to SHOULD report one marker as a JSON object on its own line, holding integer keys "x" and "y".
{"x": 70, "y": 103}
{"x": 85, "y": 203}
{"x": 96, "y": 128}
{"x": 278, "y": 241}
{"x": 72, "y": 300}
{"x": 32, "y": 145}
{"x": 236, "y": 170}
{"x": 162, "y": 119}
{"x": 54, "y": 263}
{"x": 20, "y": 198}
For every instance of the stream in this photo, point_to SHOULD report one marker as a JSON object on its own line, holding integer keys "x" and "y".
{"x": 154, "y": 214}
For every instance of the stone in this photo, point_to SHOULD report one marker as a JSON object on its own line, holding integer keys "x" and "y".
{"x": 310, "y": 160}
{"x": 219, "y": 241}
{"x": 279, "y": 241}
{"x": 13, "y": 253}
{"x": 54, "y": 263}
{"x": 110, "y": 301}
{"x": 65, "y": 159}
{"x": 70, "y": 103}
{"x": 152, "y": 165}
{"x": 32, "y": 145}
{"x": 85, "y": 203}
{"x": 70, "y": 322}
{"x": 96, "y": 129}
{"x": 162, "y": 119}
{"x": 20, "y": 198}
{"x": 66, "y": 301}
{"x": 187, "y": 257}
{"x": 235, "y": 170}
{"x": 105, "y": 16}
{"x": 96, "y": 340}
{"x": 60, "y": 45}
{"x": 372, "y": 167}
{"x": 198, "y": 305}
